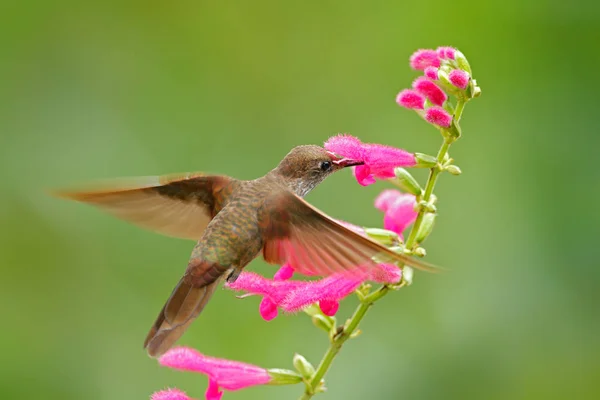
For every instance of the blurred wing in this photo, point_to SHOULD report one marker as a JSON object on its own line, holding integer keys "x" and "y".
{"x": 315, "y": 244}
{"x": 174, "y": 205}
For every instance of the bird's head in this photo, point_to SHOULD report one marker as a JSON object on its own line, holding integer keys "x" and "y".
{"x": 304, "y": 167}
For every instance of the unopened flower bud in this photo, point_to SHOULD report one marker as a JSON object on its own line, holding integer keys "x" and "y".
{"x": 424, "y": 58}
{"x": 431, "y": 73}
{"x": 425, "y": 160}
{"x": 459, "y": 78}
{"x": 430, "y": 90}
{"x": 407, "y": 275}
{"x": 383, "y": 236}
{"x": 405, "y": 181}
{"x": 453, "y": 169}
{"x": 462, "y": 62}
{"x": 438, "y": 116}
{"x": 323, "y": 322}
{"x": 420, "y": 252}
{"x": 305, "y": 368}
{"x": 283, "y": 377}
{"x": 426, "y": 227}
{"x": 410, "y": 99}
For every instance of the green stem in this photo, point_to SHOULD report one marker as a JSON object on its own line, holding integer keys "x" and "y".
{"x": 352, "y": 324}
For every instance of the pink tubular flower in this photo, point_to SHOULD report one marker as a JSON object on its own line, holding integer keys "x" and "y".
{"x": 459, "y": 78}
{"x": 379, "y": 160}
{"x": 446, "y": 52}
{"x": 431, "y": 73}
{"x": 411, "y": 99}
{"x": 170, "y": 394}
{"x": 399, "y": 209}
{"x": 422, "y": 59}
{"x": 226, "y": 374}
{"x": 430, "y": 90}
{"x": 438, "y": 116}
{"x": 292, "y": 296}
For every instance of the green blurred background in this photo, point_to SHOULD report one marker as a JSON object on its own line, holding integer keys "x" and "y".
{"x": 103, "y": 89}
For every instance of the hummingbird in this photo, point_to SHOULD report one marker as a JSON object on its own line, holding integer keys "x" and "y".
{"x": 234, "y": 221}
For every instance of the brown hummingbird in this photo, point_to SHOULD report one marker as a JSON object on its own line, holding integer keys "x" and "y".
{"x": 233, "y": 221}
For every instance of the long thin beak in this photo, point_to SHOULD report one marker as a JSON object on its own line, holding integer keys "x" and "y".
{"x": 347, "y": 162}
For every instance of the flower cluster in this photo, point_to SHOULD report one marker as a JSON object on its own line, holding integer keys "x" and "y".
{"x": 444, "y": 70}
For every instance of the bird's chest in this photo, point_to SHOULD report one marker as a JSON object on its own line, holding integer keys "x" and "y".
{"x": 234, "y": 237}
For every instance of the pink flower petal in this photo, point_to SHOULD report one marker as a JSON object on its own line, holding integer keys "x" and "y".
{"x": 284, "y": 273}
{"x": 363, "y": 175}
{"x": 398, "y": 208}
{"x": 329, "y": 307}
{"x": 446, "y": 52}
{"x": 410, "y": 99}
{"x": 212, "y": 391}
{"x": 459, "y": 78}
{"x": 431, "y": 73}
{"x": 228, "y": 374}
{"x": 346, "y": 146}
{"x": 386, "y": 273}
{"x": 430, "y": 90}
{"x": 332, "y": 288}
{"x": 422, "y": 59}
{"x": 267, "y": 309}
{"x": 438, "y": 116}
{"x": 382, "y": 159}
{"x": 170, "y": 394}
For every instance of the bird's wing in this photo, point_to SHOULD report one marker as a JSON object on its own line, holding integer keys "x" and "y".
{"x": 175, "y": 205}
{"x": 315, "y": 244}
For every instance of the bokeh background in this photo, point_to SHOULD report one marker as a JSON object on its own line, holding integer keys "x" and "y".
{"x": 103, "y": 89}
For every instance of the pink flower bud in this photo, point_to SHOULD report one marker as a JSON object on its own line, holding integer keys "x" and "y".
{"x": 459, "y": 78}
{"x": 411, "y": 99}
{"x": 438, "y": 116}
{"x": 431, "y": 73}
{"x": 284, "y": 273}
{"x": 430, "y": 90}
{"x": 422, "y": 59}
{"x": 446, "y": 52}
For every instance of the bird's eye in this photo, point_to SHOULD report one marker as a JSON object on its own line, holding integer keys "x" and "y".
{"x": 325, "y": 165}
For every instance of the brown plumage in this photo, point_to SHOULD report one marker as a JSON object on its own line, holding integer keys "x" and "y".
{"x": 234, "y": 221}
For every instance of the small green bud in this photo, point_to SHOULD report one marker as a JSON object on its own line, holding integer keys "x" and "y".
{"x": 323, "y": 322}
{"x": 453, "y": 132}
{"x": 420, "y": 252}
{"x": 462, "y": 62}
{"x": 426, "y": 206}
{"x": 383, "y": 236}
{"x": 405, "y": 181}
{"x": 283, "y": 377}
{"x": 407, "y": 275}
{"x": 303, "y": 366}
{"x": 425, "y": 160}
{"x": 426, "y": 227}
{"x": 453, "y": 169}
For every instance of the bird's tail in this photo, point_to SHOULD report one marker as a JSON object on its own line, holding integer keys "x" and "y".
{"x": 183, "y": 306}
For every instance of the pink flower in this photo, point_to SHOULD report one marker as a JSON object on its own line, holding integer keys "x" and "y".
{"x": 431, "y": 73}
{"x": 446, "y": 52}
{"x": 459, "y": 78}
{"x": 379, "y": 160}
{"x": 410, "y": 99}
{"x": 399, "y": 209}
{"x": 438, "y": 116}
{"x": 422, "y": 59}
{"x": 226, "y": 374}
{"x": 292, "y": 296}
{"x": 430, "y": 90}
{"x": 170, "y": 394}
